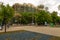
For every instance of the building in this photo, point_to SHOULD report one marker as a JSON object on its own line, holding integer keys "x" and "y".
{"x": 24, "y": 7}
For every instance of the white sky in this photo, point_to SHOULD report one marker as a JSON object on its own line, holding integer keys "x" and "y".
{"x": 52, "y": 4}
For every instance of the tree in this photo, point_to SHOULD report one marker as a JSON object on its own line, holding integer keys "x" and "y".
{"x": 8, "y": 13}
{"x": 41, "y": 6}
{"x": 46, "y": 8}
{"x": 43, "y": 17}
{"x": 1, "y": 13}
{"x": 26, "y": 18}
{"x": 58, "y": 20}
{"x": 54, "y": 17}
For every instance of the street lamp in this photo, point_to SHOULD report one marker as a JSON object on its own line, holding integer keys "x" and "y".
{"x": 32, "y": 16}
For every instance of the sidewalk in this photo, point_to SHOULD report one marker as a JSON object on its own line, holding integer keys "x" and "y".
{"x": 42, "y": 29}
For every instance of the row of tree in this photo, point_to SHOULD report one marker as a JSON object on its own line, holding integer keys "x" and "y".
{"x": 7, "y": 14}
{"x": 39, "y": 18}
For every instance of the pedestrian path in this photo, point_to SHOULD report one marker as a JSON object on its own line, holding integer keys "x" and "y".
{"x": 39, "y": 29}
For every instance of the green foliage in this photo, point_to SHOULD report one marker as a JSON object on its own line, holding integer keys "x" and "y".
{"x": 29, "y": 15}
{"x": 26, "y": 17}
{"x": 1, "y": 13}
{"x": 9, "y": 12}
{"x": 6, "y": 12}
{"x": 54, "y": 17}
{"x": 43, "y": 17}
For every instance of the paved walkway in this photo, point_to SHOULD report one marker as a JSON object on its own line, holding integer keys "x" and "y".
{"x": 45, "y": 30}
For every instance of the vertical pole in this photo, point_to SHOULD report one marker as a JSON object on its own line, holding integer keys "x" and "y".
{"x": 32, "y": 18}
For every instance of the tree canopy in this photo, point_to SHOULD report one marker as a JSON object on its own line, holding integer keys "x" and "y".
{"x": 28, "y": 14}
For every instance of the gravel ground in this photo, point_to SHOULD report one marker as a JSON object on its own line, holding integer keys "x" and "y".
{"x": 39, "y": 29}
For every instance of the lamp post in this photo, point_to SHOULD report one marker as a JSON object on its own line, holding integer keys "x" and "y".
{"x": 33, "y": 16}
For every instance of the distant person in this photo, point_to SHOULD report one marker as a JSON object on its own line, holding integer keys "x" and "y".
{"x": 45, "y": 23}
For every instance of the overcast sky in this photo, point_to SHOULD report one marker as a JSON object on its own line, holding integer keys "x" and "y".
{"x": 52, "y": 4}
